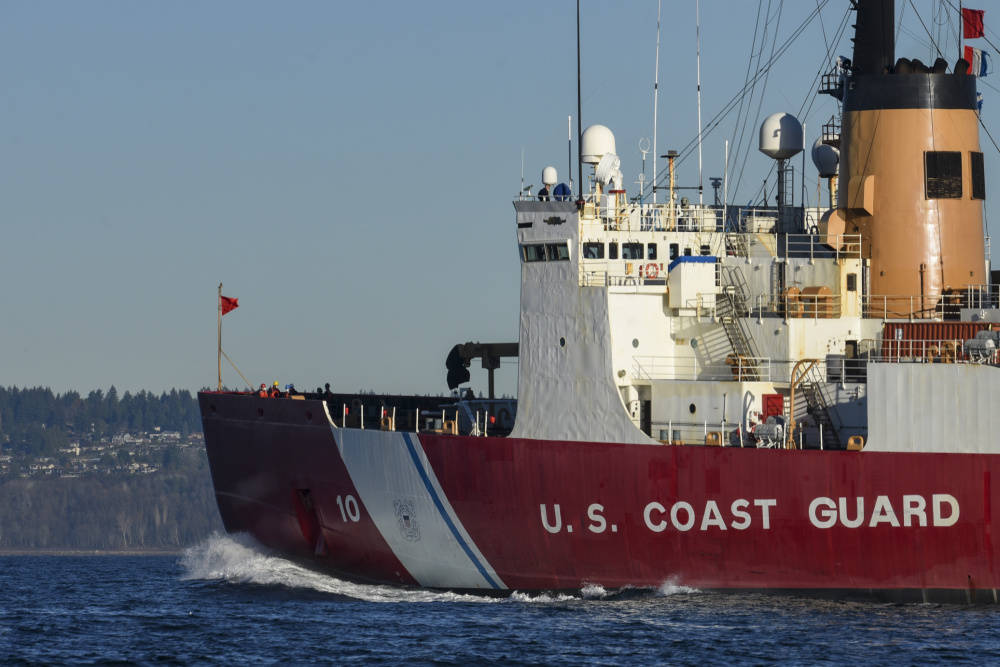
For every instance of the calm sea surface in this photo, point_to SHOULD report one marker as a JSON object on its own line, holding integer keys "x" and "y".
{"x": 227, "y": 601}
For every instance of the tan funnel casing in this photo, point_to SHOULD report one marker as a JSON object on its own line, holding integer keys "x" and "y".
{"x": 908, "y": 135}
{"x": 920, "y": 248}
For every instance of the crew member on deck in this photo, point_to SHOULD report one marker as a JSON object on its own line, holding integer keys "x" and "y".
{"x": 276, "y": 390}
{"x": 263, "y": 390}
{"x": 543, "y": 194}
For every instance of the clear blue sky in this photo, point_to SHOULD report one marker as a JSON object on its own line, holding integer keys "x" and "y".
{"x": 346, "y": 169}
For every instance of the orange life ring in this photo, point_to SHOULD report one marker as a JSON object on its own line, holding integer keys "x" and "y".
{"x": 652, "y": 271}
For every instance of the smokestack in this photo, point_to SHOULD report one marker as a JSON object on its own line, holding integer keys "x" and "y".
{"x": 874, "y": 37}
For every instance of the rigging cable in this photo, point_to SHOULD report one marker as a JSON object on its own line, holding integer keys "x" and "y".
{"x": 760, "y": 100}
{"x": 739, "y": 130}
{"x": 717, "y": 119}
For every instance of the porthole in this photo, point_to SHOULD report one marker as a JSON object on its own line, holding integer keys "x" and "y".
{"x": 635, "y": 342}
{"x": 692, "y": 409}
{"x": 694, "y": 343}
{"x": 562, "y": 342}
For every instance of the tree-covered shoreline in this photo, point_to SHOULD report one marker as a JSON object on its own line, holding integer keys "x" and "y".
{"x": 102, "y": 472}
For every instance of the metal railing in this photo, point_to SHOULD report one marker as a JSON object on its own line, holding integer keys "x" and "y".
{"x": 720, "y": 433}
{"x": 736, "y": 367}
{"x": 938, "y": 306}
{"x": 938, "y": 350}
{"x": 845, "y": 246}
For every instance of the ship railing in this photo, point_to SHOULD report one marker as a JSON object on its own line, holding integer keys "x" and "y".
{"x": 946, "y": 305}
{"x": 606, "y": 278}
{"x": 924, "y": 351}
{"x": 719, "y": 433}
{"x": 982, "y": 297}
{"x": 735, "y": 368}
{"x": 655, "y": 217}
{"x": 835, "y": 369}
{"x": 814, "y": 246}
{"x": 792, "y": 304}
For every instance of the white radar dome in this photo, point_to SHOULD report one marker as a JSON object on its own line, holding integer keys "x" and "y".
{"x": 549, "y": 176}
{"x": 597, "y": 142}
{"x": 780, "y": 136}
{"x": 826, "y": 158}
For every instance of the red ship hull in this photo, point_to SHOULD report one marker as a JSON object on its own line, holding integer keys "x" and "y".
{"x": 506, "y": 513}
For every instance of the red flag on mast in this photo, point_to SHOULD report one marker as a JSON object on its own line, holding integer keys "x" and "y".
{"x": 228, "y": 303}
{"x": 972, "y": 23}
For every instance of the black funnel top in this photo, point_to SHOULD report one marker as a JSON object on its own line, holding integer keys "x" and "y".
{"x": 874, "y": 36}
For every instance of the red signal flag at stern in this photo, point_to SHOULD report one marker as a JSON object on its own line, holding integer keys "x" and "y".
{"x": 228, "y": 303}
{"x": 972, "y": 23}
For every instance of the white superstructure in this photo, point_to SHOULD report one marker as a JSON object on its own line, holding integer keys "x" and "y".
{"x": 676, "y": 323}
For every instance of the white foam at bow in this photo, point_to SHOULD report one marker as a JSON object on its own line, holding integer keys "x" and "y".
{"x": 671, "y": 587}
{"x": 240, "y": 560}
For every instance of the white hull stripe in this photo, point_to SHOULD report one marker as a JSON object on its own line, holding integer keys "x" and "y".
{"x": 444, "y": 513}
{"x": 398, "y": 489}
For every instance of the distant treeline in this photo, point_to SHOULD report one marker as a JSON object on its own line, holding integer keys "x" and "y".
{"x": 167, "y": 510}
{"x": 38, "y": 422}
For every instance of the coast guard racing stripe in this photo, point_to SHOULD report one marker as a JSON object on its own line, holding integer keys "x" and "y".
{"x": 401, "y": 493}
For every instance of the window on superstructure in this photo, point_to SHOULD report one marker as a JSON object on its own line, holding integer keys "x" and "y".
{"x": 612, "y": 250}
{"x": 557, "y": 252}
{"x": 650, "y": 251}
{"x": 978, "y": 177}
{"x": 631, "y": 251}
{"x": 534, "y": 252}
{"x": 675, "y": 251}
{"x": 593, "y": 250}
{"x": 943, "y": 174}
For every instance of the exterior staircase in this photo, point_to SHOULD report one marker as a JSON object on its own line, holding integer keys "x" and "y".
{"x": 817, "y": 405}
{"x": 731, "y": 307}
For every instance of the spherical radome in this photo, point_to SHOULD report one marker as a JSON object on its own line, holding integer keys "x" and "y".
{"x": 597, "y": 141}
{"x": 826, "y": 158}
{"x": 780, "y": 136}
{"x": 550, "y": 176}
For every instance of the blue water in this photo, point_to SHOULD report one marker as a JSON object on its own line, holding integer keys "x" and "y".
{"x": 228, "y": 601}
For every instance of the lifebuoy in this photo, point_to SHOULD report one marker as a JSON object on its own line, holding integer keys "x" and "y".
{"x": 652, "y": 271}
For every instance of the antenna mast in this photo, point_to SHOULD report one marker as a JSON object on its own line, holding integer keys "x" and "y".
{"x": 656, "y": 91}
{"x": 522, "y": 173}
{"x": 569, "y": 149}
{"x": 697, "y": 32}
{"x": 579, "y": 113}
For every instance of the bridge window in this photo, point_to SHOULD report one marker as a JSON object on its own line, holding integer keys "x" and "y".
{"x": 631, "y": 251}
{"x": 534, "y": 252}
{"x": 557, "y": 252}
{"x": 650, "y": 251}
{"x": 978, "y": 177}
{"x": 943, "y": 175}
{"x": 613, "y": 250}
{"x": 593, "y": 250}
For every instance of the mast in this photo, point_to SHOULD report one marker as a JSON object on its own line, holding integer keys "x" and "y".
{"x": 579, "y": 113}
{"x": 697, "y": 33}
{"x": 656, "y": 91}
{"x": 218, "y": 305}
{"x": 569, "y": 149}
